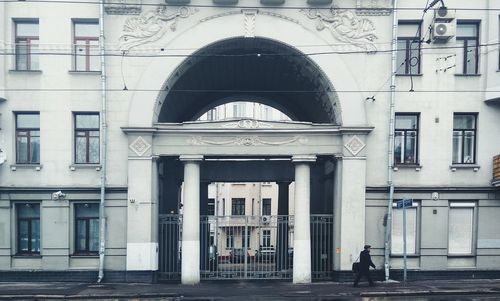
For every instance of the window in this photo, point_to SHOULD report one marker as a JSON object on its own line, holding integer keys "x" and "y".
{"x": 408, "y": 58}
{"x": 266, "y": 206}
{"x": 464, "y": 138}
{"x": 87, "y": 138}
{"x": 406, "y": 139}
{"x": 266, "y": 238}
{"x": 26, "y": 45}
{"x": 28, "y": 228}
{"x": 246, "y": 237}
{"x": 86, "y": 46}
{"x": 229, "y": 238}
{"x": 468, "y": 47}
{"x": 238, "y": 206}
{"x": 461, "y": 228}
{"x": 27, "y": 138}
{"x": 211, "y": 207}
{"x": 86, "y": 228}
{"x": 411, "y": 229}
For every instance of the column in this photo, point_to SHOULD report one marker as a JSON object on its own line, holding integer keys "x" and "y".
{"x": 302, "y": 226}
{"x": 282, "y": 235}
{"x": 190, "y": 267}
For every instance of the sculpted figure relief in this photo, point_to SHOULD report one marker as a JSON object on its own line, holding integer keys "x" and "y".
{"x": 345, "y": 26}
{"x": 151, "y": 26}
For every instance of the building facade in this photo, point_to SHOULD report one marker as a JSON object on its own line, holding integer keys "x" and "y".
{"x": 378, "y": 100}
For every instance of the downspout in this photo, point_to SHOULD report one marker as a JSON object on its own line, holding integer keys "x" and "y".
{"x": 388, "y": 221}
{"x": 102, "y": 218}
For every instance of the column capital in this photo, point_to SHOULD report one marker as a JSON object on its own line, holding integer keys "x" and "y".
{"x": 303, "y": 158}
{"x": 191, "y": 157}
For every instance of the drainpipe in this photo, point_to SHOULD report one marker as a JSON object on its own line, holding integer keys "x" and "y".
{"x": 391, "y": 139}
{"x": 3, "y": 58}
{"x": 102, "y": 218}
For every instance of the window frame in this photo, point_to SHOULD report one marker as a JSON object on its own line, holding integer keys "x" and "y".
{"x": 418, "y": 207}
{"x": 28, "y": 43}
{"x": 236, "y": 205}
{"x": 264, "y": 201}
{"x": 87, "y": 230}
{"x": 462, "y": 146}
{"x": 417, "y": 139}
{"x": 30, "y": 220}
{"x": 409, "y": 40}
{"x": 87, "y": 46}
{"x": 471, "y": 205}
{"x": 229, "y": 238}
{"x": 87, "y": 138}
{"x": 28, "y": 136}
{"x": 266, "y": 237}
{"x": 465, "y": 47}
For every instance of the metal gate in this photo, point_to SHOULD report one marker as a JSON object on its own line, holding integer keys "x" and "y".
{"x": 246, "y": 247}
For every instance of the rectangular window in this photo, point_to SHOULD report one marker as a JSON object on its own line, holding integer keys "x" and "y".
{"x": 28, "y": 228}
{"x": 266, "y": 206}
{"x": 86, "y": 228}
{"x": 28, "y": 138}
{"x": 86, "y": 138}
{"x": 229, "y": 238}
{"x": 86, "y": 46}
{"x": 411, "y": 229}
{"x": 468, "y": 47}
{"x": 408, "y": 58}
{"x": 246, "y": 237}
{"x": 26, "y": 45}
{"x": 266, "y": 238}
{"x": 211, "y": 207}
{"x": 406, "y": 139}
{"x": 238, "y": 206}
{"x": 464, "y": 138}
{"x": 461, "y": 228}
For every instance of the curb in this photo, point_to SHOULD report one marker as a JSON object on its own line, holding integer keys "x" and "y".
{"x": 428, "y": 292}
{"x": 89, "y": 296}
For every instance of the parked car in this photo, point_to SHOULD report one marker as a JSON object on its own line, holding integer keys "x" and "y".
{"x": 237, "y": 255}
{"x": 265, "y": 254}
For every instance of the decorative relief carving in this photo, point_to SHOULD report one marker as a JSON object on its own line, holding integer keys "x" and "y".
{"x": 245, "y": 141}
{"x": 152, "y": 25}
{"x": 140, "y": 146}
{"x": 374, "y": 7}
{"x": 248, "y": 124}
{"x": 345, "y": 26}
{"x": 354, "y": 145}
{"x": 250, "y": 18}
{"x": 123, "y": 7}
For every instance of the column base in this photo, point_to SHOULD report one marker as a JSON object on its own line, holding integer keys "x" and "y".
{"x": 190, "y": 271}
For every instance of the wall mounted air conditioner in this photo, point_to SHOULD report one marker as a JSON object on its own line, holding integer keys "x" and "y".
{"x": 444, "y": 14}
{"x": 265, "y": 219}
{"x": 443, "y": 31}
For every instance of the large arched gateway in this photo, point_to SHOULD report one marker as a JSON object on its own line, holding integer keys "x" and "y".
{"x": 313, "y": 150}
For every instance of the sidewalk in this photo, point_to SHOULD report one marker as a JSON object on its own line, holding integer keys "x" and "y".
{"x": 250, "y": 290}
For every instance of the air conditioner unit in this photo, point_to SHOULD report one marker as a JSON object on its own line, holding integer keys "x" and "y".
{"x": 265, "y": 219}
{"x": 443, "y": 31}
{"x": 444, "y": 14}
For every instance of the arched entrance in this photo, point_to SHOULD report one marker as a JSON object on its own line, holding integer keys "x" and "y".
{"x": 263, "y": 71}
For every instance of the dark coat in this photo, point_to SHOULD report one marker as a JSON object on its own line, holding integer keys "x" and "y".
{"x": 365, "y": 261}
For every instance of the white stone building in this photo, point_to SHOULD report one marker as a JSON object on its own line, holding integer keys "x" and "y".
{"x": 385, "y": 103}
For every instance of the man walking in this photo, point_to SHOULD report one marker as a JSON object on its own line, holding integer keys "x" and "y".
{"x": 365, "y": 261}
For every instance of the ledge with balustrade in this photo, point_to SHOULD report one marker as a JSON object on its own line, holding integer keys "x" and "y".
{"x": 496, "y": 171}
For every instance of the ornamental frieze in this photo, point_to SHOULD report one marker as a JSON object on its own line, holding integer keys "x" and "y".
{"x": 245, "y": 141}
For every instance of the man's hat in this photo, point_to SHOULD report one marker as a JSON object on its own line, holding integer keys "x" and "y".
{"x": 367, "y": 247}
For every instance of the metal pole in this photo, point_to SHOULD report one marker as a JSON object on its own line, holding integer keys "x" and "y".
{"x": 102, "y": 218}
{"x": 404, "y": 241}
{"x": 391, "y": 140}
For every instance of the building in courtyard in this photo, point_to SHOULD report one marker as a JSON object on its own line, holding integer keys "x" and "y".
{"x": 132, "y": 119}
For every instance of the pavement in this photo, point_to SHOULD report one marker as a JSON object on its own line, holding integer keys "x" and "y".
{"x": 251, "y": 290}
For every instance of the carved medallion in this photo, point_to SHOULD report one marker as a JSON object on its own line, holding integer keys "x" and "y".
{"x": 140, "y": 146}
{"x": 345, "y": 26}
{"x": 248, "y": 124}
{"x": 354, "y": 145}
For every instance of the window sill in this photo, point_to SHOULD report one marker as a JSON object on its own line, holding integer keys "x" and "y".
{"x": 474, "y": 167}
{"x": 84, "y": 256}
{"x": 407, "y": 255}
{"x": 84, "y": 72}
{"x": 30, "y": 256}
{"x": 466, "y": 75}
{"x": 25, "y": 71}
{"x": 36, "y": 167}
{"x": 417, "y": 167}
{"x": 408, "y": 75}
{"x": 461, "y": 255}
{"x": 74, "y": 167}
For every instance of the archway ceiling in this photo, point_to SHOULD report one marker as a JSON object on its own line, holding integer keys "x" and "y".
{"x": 232, "y": 70}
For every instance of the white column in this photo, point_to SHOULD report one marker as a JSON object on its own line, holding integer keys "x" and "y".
{"x": 190, "y": 269}
{"x": 302, "y": 234}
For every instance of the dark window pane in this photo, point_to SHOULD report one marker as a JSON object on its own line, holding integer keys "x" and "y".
{"x": 87, "y": 210}
{"x": 28, "y": 211}
{"x": 21, "y": 57}
{"x": 35, "y": 236}
{"x": 411, "y": 147}
{"x": 266, "y": 207}
{"x": 81, "y": 235}
{"x": 398, "y": 151}
{"x": 23, "y": 236}
{"x": 94, "y": 235}
{"x": 35, "y": 150}
{"x": 457, "y": 147}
